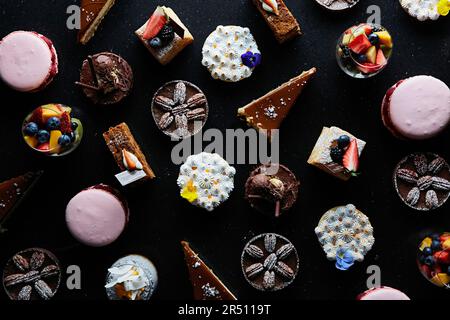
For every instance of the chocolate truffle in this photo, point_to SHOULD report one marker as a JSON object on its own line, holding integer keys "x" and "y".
{"x": 269, "y": 262}
{"x": 269, "y": 192}
{"x": 422, "y": 181}
{"x": 106, "y": 78}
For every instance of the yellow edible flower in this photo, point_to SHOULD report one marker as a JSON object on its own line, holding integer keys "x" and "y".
{"x": 190, "y": 192}
{"x": 443, "y": 7}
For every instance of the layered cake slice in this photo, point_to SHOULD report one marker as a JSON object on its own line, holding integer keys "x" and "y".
{"x": 128, "y": 155}
{"x": 279, "y": 18}
{"x": 269, "y": 111}
{"x": 92, "y": 14}
{"x": 337, "y": 152}
{"x": 207, "y": 286}
{"x": 13, "y": 191}
{"x": 164, "y": 35}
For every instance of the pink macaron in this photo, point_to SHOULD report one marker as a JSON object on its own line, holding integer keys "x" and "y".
{"x": 383, "y": 293}
{"x": 97, "y": 216}
{"x": 28, "y": 61}
{"x": 417, "y": 108}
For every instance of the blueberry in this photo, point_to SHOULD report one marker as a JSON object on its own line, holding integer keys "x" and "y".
{"x": 422, "y": 258}
{"x": 155, "y": 42}
{"x": 427, "y": 251}
{"x": 448, "y": 270}
{"x": 74, "y": 125}
{"x": 336, "y": 154}
{"x": 31, "y": 129}
{"x": 64, "y": 140}
{"x": 436, "y": 236}
{"x": 429, "y": 261}
{"x": 43, "y": 136}
{"x": 345, "y": 52}
{"x": 73, "y": 136}
{"x": 361, "y": 58}
{"x": 53, "y": 123}
{"x": 343, "y": 141}
{"x": 436, "y": 245}
{"x": 374, "y": 39}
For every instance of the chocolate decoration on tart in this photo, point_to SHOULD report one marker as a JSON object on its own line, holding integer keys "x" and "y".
{"x": 32, "y": 274}
{"x": 272, "y": 194}
{"x": 422, "y": 180}
{"x": 180, "y": 109}
{"x": 269, "y": 262}
{"x": 106, "y": 78}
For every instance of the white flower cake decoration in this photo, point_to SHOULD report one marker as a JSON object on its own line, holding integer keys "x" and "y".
{"x": 346, "y": 235}
{"x": 230, "y": 53}
{"x": 206, "y": 180}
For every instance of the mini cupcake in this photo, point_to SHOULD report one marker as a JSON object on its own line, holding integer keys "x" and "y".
{"x": 106, "y": 78}
{"x": 97, "y": 216}
{"x": 269, "y": 262}
{"x": 28, "y": 61}
{"x": 269, "y": 192}
{"x": 133, "y": 277}
{"x": 417, "y": 108}
{"x": 206, "y": 180}
{"x": 433, "y": 259}
{"x": 346, "y": 235}
{"x": 32, "y": 274}
{"x": 383, "y": 293}
{"x": 230, "y": 53}
{"x": 422, "y": 181}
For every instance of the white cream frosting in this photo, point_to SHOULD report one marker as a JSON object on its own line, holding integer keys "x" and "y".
{"x": 222, "y": 53}
{"x": 212, "y": 177}
{"x": 131, "y": 277}
{"x": 345, "y": 228}
{"x": 421, "y": 9}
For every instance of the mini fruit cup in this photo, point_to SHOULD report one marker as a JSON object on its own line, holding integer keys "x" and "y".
{"x": 51, "y": 130}
{"x": 364, "y": 50}
{"x": 433, "y": 259}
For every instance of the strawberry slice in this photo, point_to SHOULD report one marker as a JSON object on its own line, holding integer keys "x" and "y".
{"x": 157, "y": 21}
{"x": 272, "y": 4}
{"x": 36, "y": 117}
{"x": 66, "y": 124}
{"x": 351, "y": 158}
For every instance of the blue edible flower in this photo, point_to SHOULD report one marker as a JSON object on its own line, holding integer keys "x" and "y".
{"x": 251, "y": 59}
{"x": 344, "y": 259}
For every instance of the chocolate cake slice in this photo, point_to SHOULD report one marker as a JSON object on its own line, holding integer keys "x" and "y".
{"x": 92, "y": 14}
{"x": 13, "y": 191}
{"x": 128, "y": 154}
{"x": 279, "y": 18}
{"x": 269, "y": 111}
{"x": 207, "y": 286}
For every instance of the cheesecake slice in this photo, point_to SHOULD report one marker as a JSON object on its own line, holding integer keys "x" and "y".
{"x": 13, "y": 191}
{"x": 279, "y": 18}
{"x": 207, "y": 286}
{"x": 92, "y": 14}
{"x": 128, "y": 155}
{"x": 269, "y": 111}
{"x": 167, "y": 51}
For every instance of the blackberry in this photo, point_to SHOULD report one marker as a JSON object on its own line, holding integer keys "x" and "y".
{"x": 376, "y": 29}
{"x": 166, "y": 34}
{"x": 345, "y": 52}
{"x": 336, "y": 154}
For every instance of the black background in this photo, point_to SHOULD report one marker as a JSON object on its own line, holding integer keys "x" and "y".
{"x": 160, "y": 219}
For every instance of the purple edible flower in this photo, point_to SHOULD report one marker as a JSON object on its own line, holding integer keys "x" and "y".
{"x": 251, "y": 59}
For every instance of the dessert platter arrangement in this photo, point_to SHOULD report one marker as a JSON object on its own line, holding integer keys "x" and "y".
{"x": 92, "y": 118}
